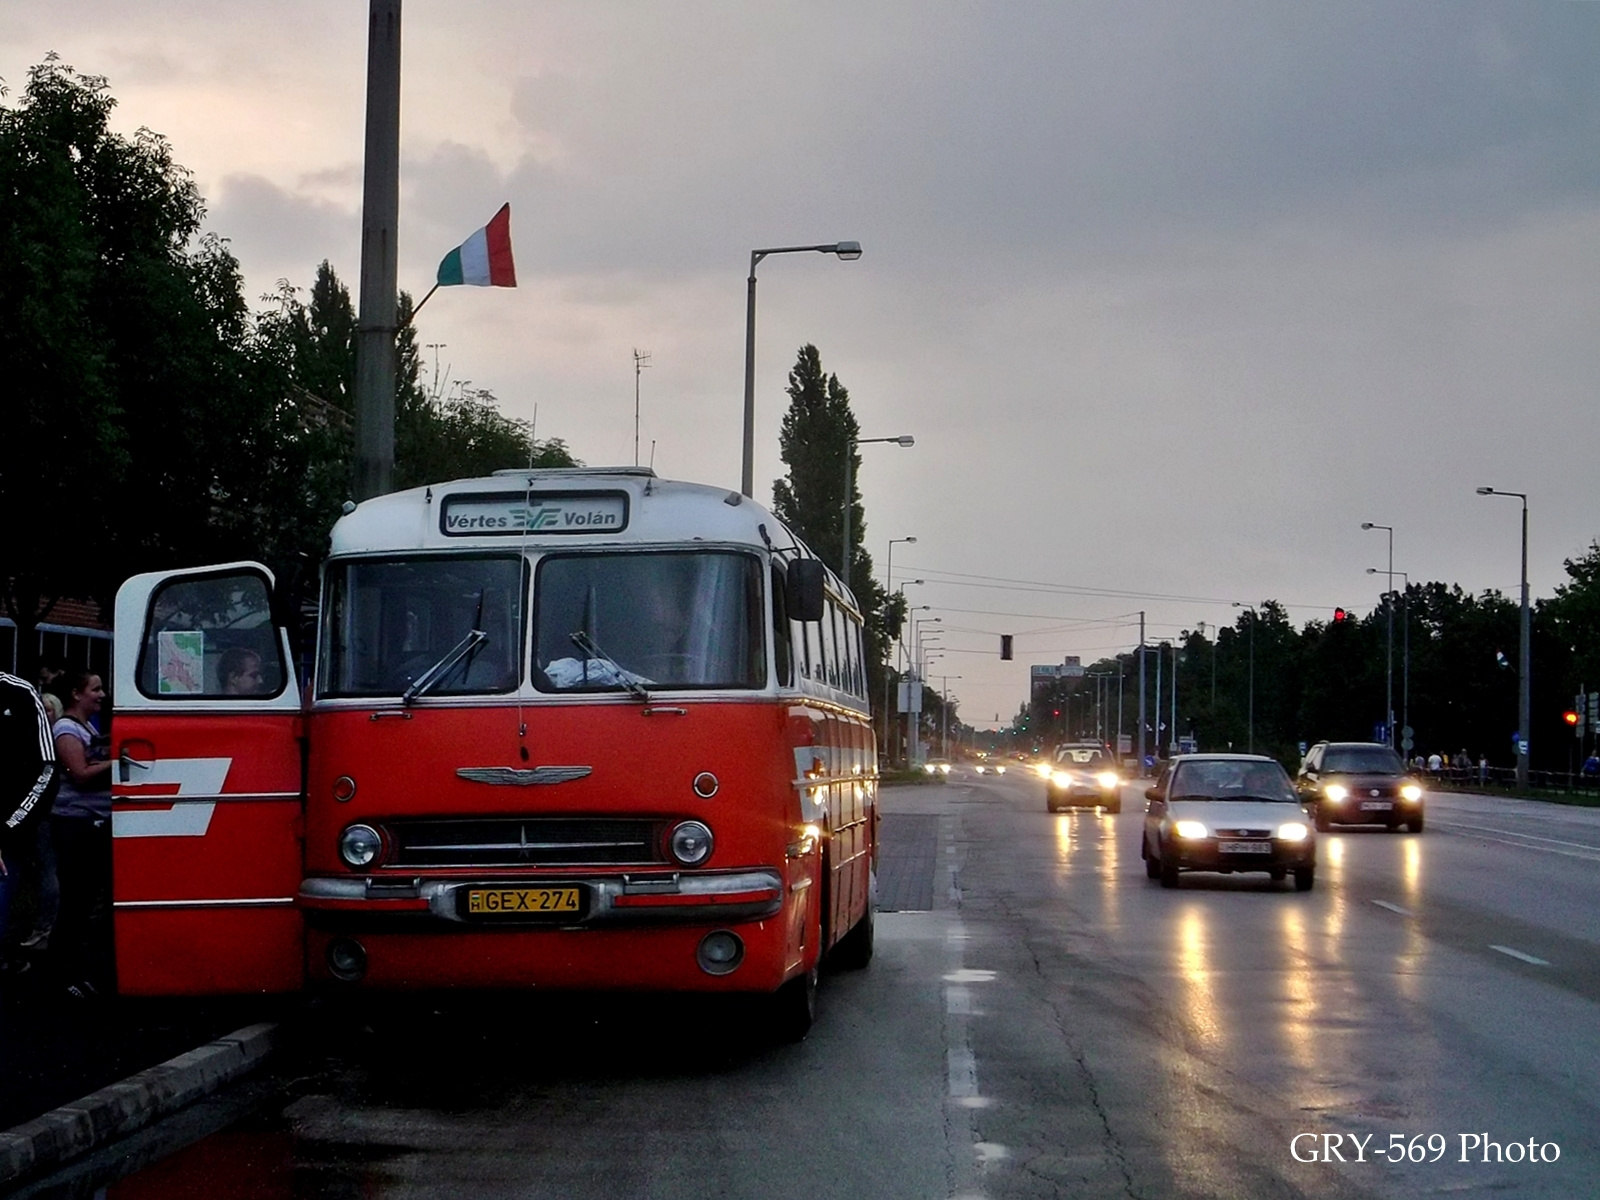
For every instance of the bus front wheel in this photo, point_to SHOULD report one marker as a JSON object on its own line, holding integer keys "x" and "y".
{"x": 794, "y": 1007}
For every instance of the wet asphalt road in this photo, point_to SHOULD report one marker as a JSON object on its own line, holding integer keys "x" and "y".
{"x": 1052, "y": 1024}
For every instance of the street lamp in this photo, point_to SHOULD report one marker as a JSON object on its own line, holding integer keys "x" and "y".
{"x": 1405, "y": 656}
{"x": 1388, "y": 718}
{"x": 944, "y": 712}
{"x": 845, "y": 556}
{"x": 1252, "y": 726}
{"x": 849, "y": 252}
{"x": 1524, "y": 698}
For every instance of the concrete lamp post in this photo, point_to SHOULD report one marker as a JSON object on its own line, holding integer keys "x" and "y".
{"x": 848, "y": 252}
{"x": 845, "y": 556}
{"x": 1525, "y": 661}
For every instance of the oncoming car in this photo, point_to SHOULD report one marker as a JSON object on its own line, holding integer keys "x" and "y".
{"x": 937, "y": 766}
{"x": 1359, "y": 783}
{"x": 1083, "y": 776}
{"x": 1226, "y": 812}
{"x": 990, "y": 768}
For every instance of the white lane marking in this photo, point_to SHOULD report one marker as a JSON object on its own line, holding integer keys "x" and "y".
{"x": 1520, "y": 956}
{"x": 970, "y": 975}
{"x": 990, "y": 1153}
{"x": 958, "y": 1001}
{"x": 1500, "y": 841}
{"x": 1394, "y": 908}
{"x": 1532, "y": 837}
{"x": 961, "y": 1068}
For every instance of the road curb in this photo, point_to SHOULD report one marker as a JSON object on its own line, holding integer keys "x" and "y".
{"x": 123, "y": 1107}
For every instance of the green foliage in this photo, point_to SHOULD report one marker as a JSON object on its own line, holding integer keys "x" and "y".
{"x": 153, "y": 421}
{"x": 814, "y": 439}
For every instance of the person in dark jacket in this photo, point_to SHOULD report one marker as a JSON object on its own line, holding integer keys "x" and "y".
{"x": 27, "y": 781}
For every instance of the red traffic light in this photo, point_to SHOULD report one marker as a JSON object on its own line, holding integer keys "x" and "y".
{"x": 1339, "y": 615}
{"x": 1570, "y": 717}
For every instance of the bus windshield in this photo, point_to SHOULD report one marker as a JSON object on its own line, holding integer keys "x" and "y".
{"x": 674, "y": 619}
{"x": 388, "y": 621}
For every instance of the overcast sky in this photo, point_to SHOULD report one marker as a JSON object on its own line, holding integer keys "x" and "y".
{"x": 1172, "y": 296}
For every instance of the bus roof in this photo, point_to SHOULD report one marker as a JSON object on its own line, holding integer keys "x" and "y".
{"x": 560, "y": 507}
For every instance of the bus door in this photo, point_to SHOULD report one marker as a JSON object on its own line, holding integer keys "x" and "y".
{"x": 207, "y": 791}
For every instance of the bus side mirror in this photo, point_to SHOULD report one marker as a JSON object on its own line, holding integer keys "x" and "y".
{"x": 803, "y": 589}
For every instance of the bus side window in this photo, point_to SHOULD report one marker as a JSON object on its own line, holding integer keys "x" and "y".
{"x": 831, "y": 638}
{"x": 782, "y": 658}
{"x": 829, "y": 666}
{"x": 858, "y": 661}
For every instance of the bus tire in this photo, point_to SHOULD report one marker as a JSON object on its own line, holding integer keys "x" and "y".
{"x": 854, "y": 950}
{"x": 794, "y": 1008}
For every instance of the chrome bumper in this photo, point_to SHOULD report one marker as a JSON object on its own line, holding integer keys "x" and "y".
{"x": 611, "y": 900}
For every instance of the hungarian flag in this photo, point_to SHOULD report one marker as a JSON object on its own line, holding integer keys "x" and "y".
{"x": 484, "y": 259}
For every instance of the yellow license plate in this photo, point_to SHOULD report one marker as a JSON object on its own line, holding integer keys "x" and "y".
{"x": 523, "y": 901}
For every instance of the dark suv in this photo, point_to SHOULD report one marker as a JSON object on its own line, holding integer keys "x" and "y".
{"x": 1359, "y": 783}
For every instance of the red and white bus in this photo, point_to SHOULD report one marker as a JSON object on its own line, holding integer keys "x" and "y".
{"x": 565, "y": 728}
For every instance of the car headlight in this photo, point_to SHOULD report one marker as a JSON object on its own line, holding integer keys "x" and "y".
{"x": 1411, "y": 792}
{"x": 928, "y": 767}
{"x": 1062, "y": 779}
{"x": 1336, "y": 792}
{"x": 1292, "y": 831}
{"x": 1042, "y": 770}
{"x": 1189, "y": 829}
{"x": 999, "y": 770}
{"x": 359, "y": 845}
{"x": 691, "y": 843}
{"x": 1107, "y": 779}
{"x": 944, "y": 768}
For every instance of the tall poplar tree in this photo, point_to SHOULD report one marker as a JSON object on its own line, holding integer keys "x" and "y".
{"x": 814, "y": 439}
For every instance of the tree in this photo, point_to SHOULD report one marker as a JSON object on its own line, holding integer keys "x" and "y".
{"x": 153, "y": 420}
{"x": 814, "y": 439}
{"x": 124, "y": 338}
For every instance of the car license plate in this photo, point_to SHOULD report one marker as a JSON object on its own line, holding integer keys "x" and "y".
{"x": 523, "y": 901}
{"x": 1245, "y": 847}
{"x": 1376, "y": 805}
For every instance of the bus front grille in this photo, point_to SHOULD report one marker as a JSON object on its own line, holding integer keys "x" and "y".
{"x": 524, "y": 842}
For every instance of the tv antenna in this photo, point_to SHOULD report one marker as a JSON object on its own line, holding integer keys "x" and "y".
{"x": 436, "y": 347}
{"x": 641, "y": 360}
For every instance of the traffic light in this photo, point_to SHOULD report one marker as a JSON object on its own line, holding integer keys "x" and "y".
{"x": 1340, "y": 616}
{"x": 1005, "y": 646}
{"x": 1574, "y": 719}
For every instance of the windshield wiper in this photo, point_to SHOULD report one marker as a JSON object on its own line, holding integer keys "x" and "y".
{"x": 433, "y": 674}
{"x": 625, "y": 677}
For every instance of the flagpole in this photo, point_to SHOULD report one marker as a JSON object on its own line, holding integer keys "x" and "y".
{"x": 420, "y": 303}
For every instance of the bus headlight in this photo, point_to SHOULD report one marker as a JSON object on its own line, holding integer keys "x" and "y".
{"x": 1107, "y": 780}
{"x": 1336, "y": 792}
{"x": 359, "y": 845}
{"x": 691, "y": 843}
{"x": 1189, "y": 829}
{"x": 1411, "y": 792}
{"x": 1292, "y": 831}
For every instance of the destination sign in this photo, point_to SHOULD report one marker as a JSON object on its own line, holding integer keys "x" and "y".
{"x": 479, "y": 515}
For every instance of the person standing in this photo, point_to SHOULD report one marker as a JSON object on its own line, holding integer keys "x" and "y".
{"x": 80, "y": 827}
{"x": 27, "y": 780}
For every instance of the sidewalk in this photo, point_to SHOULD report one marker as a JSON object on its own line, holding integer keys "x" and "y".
{"x": 54, "y": 1051}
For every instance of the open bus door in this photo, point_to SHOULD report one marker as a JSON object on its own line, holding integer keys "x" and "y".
{"x": 207, "y": 791}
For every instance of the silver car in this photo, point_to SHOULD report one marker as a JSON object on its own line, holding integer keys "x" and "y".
{"x": 1227, "y": 813}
